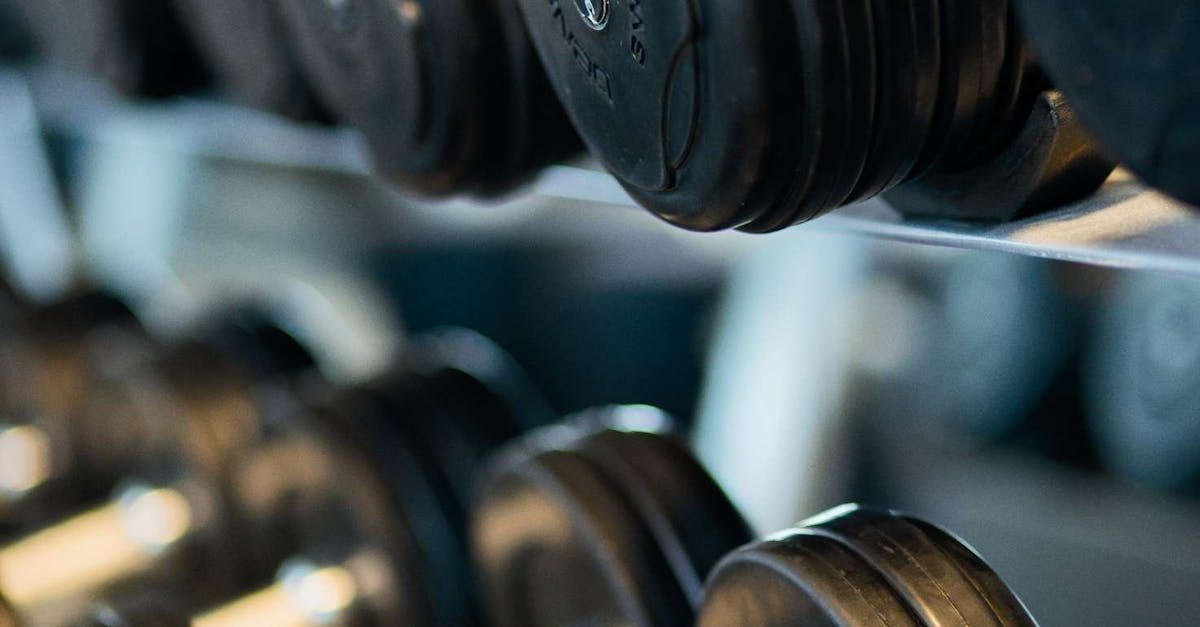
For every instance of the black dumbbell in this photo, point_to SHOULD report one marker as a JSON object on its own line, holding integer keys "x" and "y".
{"x": 139, "y": 46}
{"x": 448, "y": 93}
{"x": 1131, "y": 70}
{"x": 604, "y": 520}
{"x": 985, "y": 337}
{"x": 1142, "y": 394}
{"x": 43, "y": 358}
{"x": 762, "y": 114}
{"x": 162, "y": 431}
{"x": 854, "y": 567}
{"x": 48, "y": 357}
{"x": 92, "y": 391}
{"x": 362, "y": 497}
{"x": 601, "y": 521}
{"x": 252, "y": 60}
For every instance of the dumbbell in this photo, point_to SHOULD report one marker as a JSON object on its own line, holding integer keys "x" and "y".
{"x": 1141, "y": 384}
{"x": 762, "y": 114}
{"x": 43, "y": 358}
{"x": 985, "y": 336}
{"x": 139, "y": 46}
{"x": 855, "y": 566}
{"x": 448, "y": 93}
{"x": 365, "y": 502}
{"x": 252, "y": 61}
{"x": 162, "y": 432}
{"x": 606, "y": 520}
{"x": 1131, "y": 70}
{"x": 47, "y": 358}
{"x": 603, "y": 520}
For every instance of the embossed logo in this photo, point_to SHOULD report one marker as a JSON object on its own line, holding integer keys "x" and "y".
{"x": 593, "y": 12}
{"x": 596, "y": 75}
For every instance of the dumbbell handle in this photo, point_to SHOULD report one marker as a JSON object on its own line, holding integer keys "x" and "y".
{"x": 303, "y": 596}
{"x": 53, "y": 571}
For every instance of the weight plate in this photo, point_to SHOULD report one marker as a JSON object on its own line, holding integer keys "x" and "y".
{"x": 426, "y": 554}
{"x": 837, "y": 64}
{"x": 374, "y": 67}
{"x": 253, "y": 339}
{"x": 1141, "y": 387}
{"x": 549, "y": 516}
{"x": 693, "y": 522}
{"x": 800, "y": 578}
{"x": 859, "y": 74}
{"x": 633, "y": 65}
{"x": 1004, "y": 602}
{"x": 1130, "y": 70}
{"x": 960, "y": 84}
{"x": 244, "y": 43}
{"x": 929, "y": 581}
{"x": 443, "y": 91}
{"x": 1020, "y": 84}
{"x": 686, "y": 114}
{"x": 987, "y": 28}
{"x": 903, "y": 53}
{"x": 443, "y": 454}
{"x": 526, "y": 127}
{"x": 488, "y": 367}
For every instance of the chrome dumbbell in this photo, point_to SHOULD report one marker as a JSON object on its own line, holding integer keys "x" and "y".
{"x": 163, "y": 432}
{"x": 363, "y": 503}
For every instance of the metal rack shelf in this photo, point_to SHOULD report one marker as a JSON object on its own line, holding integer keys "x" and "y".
{"x": 1124, "y": 226}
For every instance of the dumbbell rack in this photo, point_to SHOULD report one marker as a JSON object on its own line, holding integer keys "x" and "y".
{"x": 1125, "y": 226}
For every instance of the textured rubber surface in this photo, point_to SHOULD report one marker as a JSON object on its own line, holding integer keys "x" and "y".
{"x": 627, "y": 513}
{"x": 851, "y": 567}
{"x": 761, "y": 114}
{"x": 447, "y": 93}
{"x": 1131, "y": 69}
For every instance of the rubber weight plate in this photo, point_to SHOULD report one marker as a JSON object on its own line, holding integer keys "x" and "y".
{"x": 424, "y": 545}
{"x": 445, "y": 92}
{"x": 1131, "y": 69}
{"x": 908, "y": 57}
{"x": 692, "y": 520}
{"x": 628, "y": 514}
{"x": 456, "y": 397}
{"x": 1141, "y": 387}
{"x": 340, "y": 481}
{"x": 758, "y": 115}
{"x": 487, "y": 373}
{"x": 252, "y": 61}
{"x": 680, "y": 100}
{"x": 836, "y": 52}
{"x": 851, "y": 567}
{"x": 552, "y": 518}
{"x": 798, "y": 578}
{"x": 929, "y": 581}
{"x": 139, "y": 46}
{"x": 1003, "y": 601}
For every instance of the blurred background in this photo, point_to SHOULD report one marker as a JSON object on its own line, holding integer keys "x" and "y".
{"x": 1047, "y": 412}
